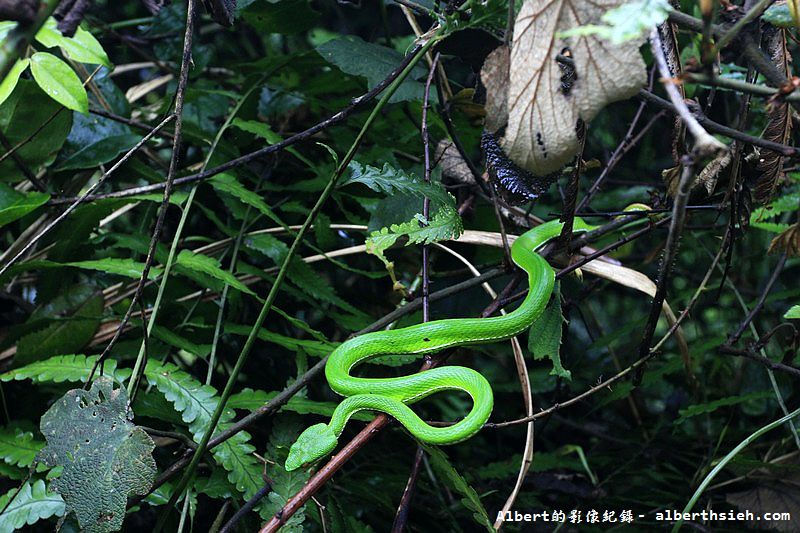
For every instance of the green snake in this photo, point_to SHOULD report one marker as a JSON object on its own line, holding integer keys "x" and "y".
{"x": 392, "y": 395}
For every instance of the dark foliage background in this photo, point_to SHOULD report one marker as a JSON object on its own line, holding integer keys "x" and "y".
{"x": 643, "y": 443}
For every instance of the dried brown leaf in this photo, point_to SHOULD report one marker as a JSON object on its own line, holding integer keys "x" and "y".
{"x": 544, "y": 108}
{"x": 787, "y": 242}
{"x": 494, "y": 76}
{"x": 779, "y": 123}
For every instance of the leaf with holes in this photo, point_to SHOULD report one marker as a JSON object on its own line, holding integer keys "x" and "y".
{"x": 555, "y": 81}
{"x": 105, "y": 457}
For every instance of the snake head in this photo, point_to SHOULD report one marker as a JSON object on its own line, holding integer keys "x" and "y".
{"x": 314, "y": 443}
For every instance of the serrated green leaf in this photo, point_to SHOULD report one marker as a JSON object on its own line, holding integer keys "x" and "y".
{"x": 196, "y": 403}
{"x": 253, "y": 399}
{"x": 710, "y": 407}
{"x": 300, "y": 273}
{"x": 227, "y": 183}
{"x": 445, "y": 224}
{"x": 10, "y": 81}
{"x": 452, "y": 478}
{"x": 544, "y": 338}
{"x": 18, "y": 447}
{"x": 82, "y": 47}
{"x": 15, "y": 205}
{"x": 105, "y": 457}
{"x": 390, "y": 180}
{"x": 33, "y": 503}
{"x": 59, "y": 81}
{"x": 64, "y": 368}
{"x": 793, "y": 313}
{"x": 210, "y": 266}
{"x": 284, "y": 484}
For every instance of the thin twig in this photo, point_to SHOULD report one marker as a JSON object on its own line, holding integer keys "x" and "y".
{"x": 705, "y": 144}
{"x": 355, "y": 105}
{"x": 670, "y": 251}
{"x": 710, "y": 125}
{"x": 180, "y": 93}
{"x": 246, "y": 508}
{"x": 81, "y": 199}
{"x": 748, "y": 17}
{"x": 760, "y": 303}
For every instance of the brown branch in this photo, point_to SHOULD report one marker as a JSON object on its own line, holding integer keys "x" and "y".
{"x": 404, "y": 507}
{"x": 670, "y": 250}
{"x": 769, "y": 363}
{"x": 355, "y": 105}
{"x": 715, "y": 127}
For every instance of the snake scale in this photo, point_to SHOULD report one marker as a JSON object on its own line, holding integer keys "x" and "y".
{"x": 393, "y": 395}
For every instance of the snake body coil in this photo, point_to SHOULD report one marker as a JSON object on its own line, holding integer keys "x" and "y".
{"x": 392, "y": 395}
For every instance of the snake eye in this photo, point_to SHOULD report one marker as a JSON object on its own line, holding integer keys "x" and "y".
{"x": 426, "y": 339}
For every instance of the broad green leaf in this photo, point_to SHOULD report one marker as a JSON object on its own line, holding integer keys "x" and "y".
{"x": 63, "y": 335}
{"x": 62, "y": 368}
{"x": 544, "y": 338}
{"x": 778, "y": 15}
{"x": 287, "y": 16}
{"x": 196, "y": 403}
{"x": 82, "y": 47}
{"x": 374, "y": 62}
{"x": 10, "y": 81}
{"x": 15, "y": 205}
{"x": 35, "y": 121}
{"x": 105, "y": 457}
{"x": 793, "y": 313}
{"x": 59, "y": 81}
{"x": 18, "y": 447}
{"x": 710, "y": 407}
{"x": 33, "y": 503}
{"x": 209, "y": 265}
{"x": 100, "y": 152}
{"x": 94, "y": 140}
{"x": 453, "y": 479}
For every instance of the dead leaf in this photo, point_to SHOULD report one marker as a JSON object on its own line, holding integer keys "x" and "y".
{"x": 775, "y": 496}
{"x": 779, "y": 123}
{"x": 452, "y": 164}
{"x": 494, "y": 76}
{"x": 548, "y": 93}
{"x": 787, "y": 242}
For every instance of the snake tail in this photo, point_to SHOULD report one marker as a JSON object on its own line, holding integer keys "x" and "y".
{"x": 393, "y": 395}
